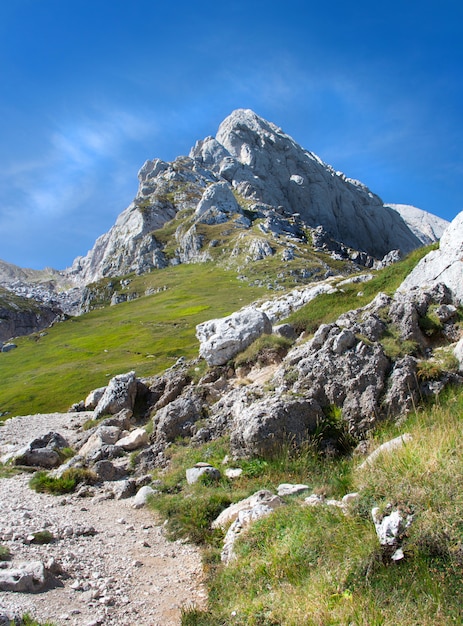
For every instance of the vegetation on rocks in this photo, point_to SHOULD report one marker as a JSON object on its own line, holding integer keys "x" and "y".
{"x": 317, "y": 565}
{"x": 43, "y": 482}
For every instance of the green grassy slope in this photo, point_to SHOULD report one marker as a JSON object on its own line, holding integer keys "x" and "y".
{"x": 50, "y": 372}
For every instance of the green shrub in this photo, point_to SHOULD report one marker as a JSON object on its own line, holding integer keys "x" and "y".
{"x": 42, "y": 482}
{"x": 43, "y": 536}
{"x": 264, "y": 350}
{"x": 5, "y": 553}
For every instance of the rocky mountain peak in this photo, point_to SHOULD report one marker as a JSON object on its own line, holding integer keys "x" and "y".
{"x": 268, "y": 192}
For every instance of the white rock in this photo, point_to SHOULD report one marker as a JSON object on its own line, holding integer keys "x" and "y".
{"x": 287, "y": 489}
{"x": 388, "y": 446}
{"x": 230, "y": 514}
{"x": 458, "y": 352}
{"x": 103, "y": 435}
{"x": 222, "y": 339}
{"x": 441, "y": 266}
{"x": 233, "y": 472}
{"x": 135, "y": 439}
{"x": 142, "y": 495}
{"x": 194, "y": 473}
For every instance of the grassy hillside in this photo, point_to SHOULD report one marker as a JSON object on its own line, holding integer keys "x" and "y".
{"x": 52, "y": 370}
{"x": 49, "y": 372}
{"x": 317, "y": 566}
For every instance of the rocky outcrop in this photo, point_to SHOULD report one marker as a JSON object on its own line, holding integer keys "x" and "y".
{"x": 250, "y": 171}
{"x": 441, "y": 266}
{"x": 222, "y": 339}
{"x": 23, "y": 316}
{"x": 119, "y": 394}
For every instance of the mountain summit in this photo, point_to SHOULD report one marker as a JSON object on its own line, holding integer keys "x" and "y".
{"x": 251, "y": 173}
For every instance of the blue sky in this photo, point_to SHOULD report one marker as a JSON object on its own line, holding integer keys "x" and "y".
{"x": 90, "y": 89}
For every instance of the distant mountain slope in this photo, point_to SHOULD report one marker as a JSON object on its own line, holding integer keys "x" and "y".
{"x": 426, "y": 226}
{"x": 251, "y": 174}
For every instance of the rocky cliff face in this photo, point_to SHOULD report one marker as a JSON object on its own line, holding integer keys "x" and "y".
{"x": 252, "y": 177}
{"x": 22, "y": 316}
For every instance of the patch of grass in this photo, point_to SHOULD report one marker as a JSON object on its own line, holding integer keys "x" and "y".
{"x": 42, "y": 482}
{"x": 264, "y": 350}
{"x": 326, "y": 308}
{"x": 5, "y": 553}
{"x": 316, "y": 565}
{"x": 43, "y": 536}
{"x": 147, "y": 335}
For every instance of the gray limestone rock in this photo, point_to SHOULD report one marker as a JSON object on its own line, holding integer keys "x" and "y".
{"x": 222, "y": 339}
{"x": 28, "y": 577}
{"x": 193, "y": 474}
{"x": 177, "y": 418}
{"x": 265, "y": 426}
{"x": 444, "y": 265}
{"x": 118, "y": 395}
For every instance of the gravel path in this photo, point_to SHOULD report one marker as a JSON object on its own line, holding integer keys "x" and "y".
{"x": 118, "y": 568}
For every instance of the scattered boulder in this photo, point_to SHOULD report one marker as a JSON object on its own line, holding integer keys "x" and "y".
{"x": 142, "y": 496}
{"x": 387, "y": 447}
{"x": 134, "y": 440}
{"x": 28, "y": 577}
{"x": 222, "y": 339}
{"x": 230, "y": 514}
{"x": 391, "y": 528}
{"x": 263, "y": 427}
{"x": 107, "y": 471}
{"x": 7, "y": 347}
{"x": 103, "y": 435}
{"x": 124, "y": 489}
{"x": 42, "y": 451}
{"x": 286, "y": 489}
{"x": 119, "y": 394}
{"x": 260, "y": 505}
{"x": 193, "y": 474}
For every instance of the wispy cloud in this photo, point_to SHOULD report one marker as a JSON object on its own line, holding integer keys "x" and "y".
{"x": 69, "y": 167}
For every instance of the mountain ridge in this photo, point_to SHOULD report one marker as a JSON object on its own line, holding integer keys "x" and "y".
{"x": 269, "y": 173}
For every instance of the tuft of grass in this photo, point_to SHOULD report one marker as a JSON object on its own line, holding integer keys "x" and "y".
{"x": 42, "y": 482}
{"x": 5, "y": 554}
{"x": 43, "y": 537}
{"x": 264, "y": 350}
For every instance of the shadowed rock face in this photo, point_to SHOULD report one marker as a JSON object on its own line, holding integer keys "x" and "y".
{"x": 258, "y": 161}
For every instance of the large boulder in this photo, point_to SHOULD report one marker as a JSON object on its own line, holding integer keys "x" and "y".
{"x": 222, "y": 339}
{"x": 28, "y": 577}
{"x": 441, "y": 266}
{"x": 263, "y": 428}
{"x": 43, "y": 451}
{"x": 119, "y": 394}
{"x": 177, "y": 418}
